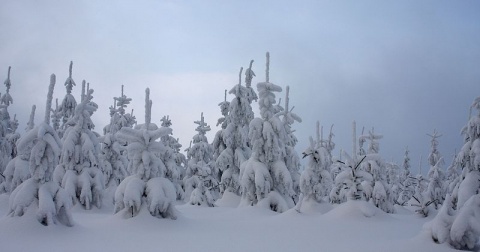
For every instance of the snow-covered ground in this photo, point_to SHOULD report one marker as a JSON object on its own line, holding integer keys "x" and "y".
{"x": 352, "y": 226}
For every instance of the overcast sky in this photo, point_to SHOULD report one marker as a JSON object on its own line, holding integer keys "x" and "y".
{"x": 403, "y": 67}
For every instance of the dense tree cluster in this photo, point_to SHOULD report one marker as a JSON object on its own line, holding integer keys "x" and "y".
{"x": 63, "y": 161}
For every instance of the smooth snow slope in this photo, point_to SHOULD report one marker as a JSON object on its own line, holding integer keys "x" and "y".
{"x": 343, "y": 228}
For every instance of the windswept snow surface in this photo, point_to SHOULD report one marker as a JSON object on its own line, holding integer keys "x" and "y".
{"x": 345, "y": 227}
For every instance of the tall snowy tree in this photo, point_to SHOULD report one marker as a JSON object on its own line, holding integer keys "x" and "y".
{"x": 407, "y": 183}
{"x": 113, "y": 153}
{"x": 316, "y": 180}
{"x": 147, "y": 185}
{"x": 40, "y": 192}
{"x": 68, "y": 105}
{"x": 80, "y": 169}
{"x": 292, "y": 160}
{"x": 458, "y": 220}
{"x": 265, "y": 178}
{"x": 18, "y": 169}
{"x": 434, "y": 156}
{"x": 436, "y": 189}
{"x": 5, "y": 127}
{"x": 218, "y": 143}
{"x": 235, "y": 135}
{"x": 201, "y": 185}
{"x": 452, "y": 174}
{"x": 172, "y": 158}
{"x": 378, "y": 190}
{"x": 465, "y": 231}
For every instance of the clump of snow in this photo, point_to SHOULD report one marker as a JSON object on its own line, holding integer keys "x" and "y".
{"x": 465, "y": 231}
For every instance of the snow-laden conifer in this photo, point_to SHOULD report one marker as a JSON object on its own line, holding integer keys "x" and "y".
{"x": 378, "y": 190}
{"x": 68, "y": 105}
{"x": 147, "y": 186}
{"x": 201, "y": 185}
{"x": 469, "y": 159}
{"x": 172, "y": 158}
{"x": 406, "y": 181}
{"x": 50, "y": 201}
{"x": 113, "y": 153}
{"x": 80, "y": 170}
{"x": 17, "y": 170}
{"x": 316, "y": 180}
{"x": 292, "y": 160}
{"x": 265, "y": 178}
{"x": 235, "y": 135}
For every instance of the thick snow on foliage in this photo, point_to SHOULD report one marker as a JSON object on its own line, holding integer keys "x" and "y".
{"x": 266, "y": 171}
{"x": 174, "y": 160}
{"x": 80, "y": 170}
{"x": 201, "y": 184}
{"x": 114, "y": 155}
{"x": 441, "y": 224}
{"x": 234, "y": 137}
{"x": 147, "y": 184}
{"x": 465, "y": 231}
{"x": 316, "y": 180}
{"x": 40, "y": 192}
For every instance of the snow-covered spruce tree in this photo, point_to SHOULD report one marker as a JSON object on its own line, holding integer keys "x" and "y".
{"x": 235, "y": 136}
{"x": 436, "y": 188}
{"x": 172, "y": 158}
{"x": 378, "y": 190}
{"x": 218, "y": 142}
{"x": 406, "y": 181}
{"x": 452, "y": 174}
{"x": 469, "y": 159}
{"x": 18, "y": 169}
{"x": 251, "y": 95}
{"x": 68, "y": 105}
{"x": 5, "y": 127}
{"x": 113, "y": 153}
{"x": 147, "y": 185}
{"x": 292, "y": 160}
{"x": 420, "y": 200}
{"x": 350, "y": 181}
{"x": 465, "y": 231}
{"x": 79, "y": 170}
{"x": 316, "y": 180}
{"x": 393, "y": 179}
{"x": 201, "y": 185}
{"x": 434, "y": 156}
{"x": 265, "y": 178}
{"x": 51, "y": 202}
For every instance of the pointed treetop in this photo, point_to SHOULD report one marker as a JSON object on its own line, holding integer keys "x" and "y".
{"x": 267, "y": 70}
{"x": 122, "y": 102}
{"x": 476, "y": 105}
{"x": 83, "y": 91}
{"x": 202, "y": 126}
{"x": 148, "y": 108}
{"x": 249, "y": 74}
{"x": 31, "y": 121}
{"x": 434, "y": 136}
{"x": 240, "y": 76}
{"x": 49, "y": 99}
{"x": 319, "y": 140}
{"x": 69, "y": 83}
{"x": 7, "y": 82}
{"x": 166, "y": 122}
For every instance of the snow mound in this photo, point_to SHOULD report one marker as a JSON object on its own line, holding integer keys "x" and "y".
{"x": 229, "y": 199}
{"x": 355, "y": 209}
{"x": 312, "y": 207}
